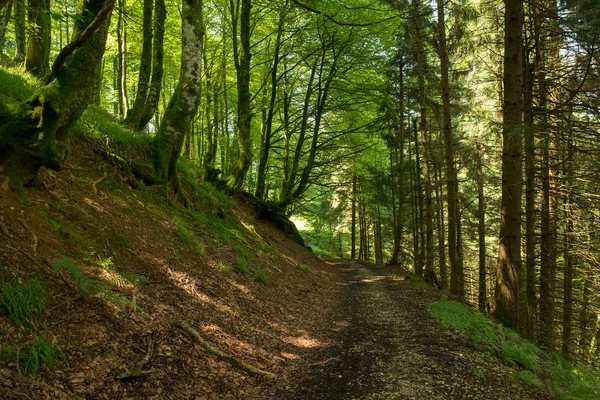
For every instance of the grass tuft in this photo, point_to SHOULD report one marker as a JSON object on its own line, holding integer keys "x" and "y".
{"x": 189, "y": 237}
{"x": 23, "y": 303}
{"x": 261, "y": 277}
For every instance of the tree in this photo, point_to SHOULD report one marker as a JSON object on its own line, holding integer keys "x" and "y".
{"x": 509, "y": 255}
{"x": 35, "y": 133}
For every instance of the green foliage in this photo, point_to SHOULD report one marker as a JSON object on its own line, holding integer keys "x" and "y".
{"x": 88, "y": 286}
{"x": 261, "y": 277}
{"x": 303, "y": 268}
{"x": 564, "y": 379}
{"x": 23, "y": 303}
{"x": 118, "y": 244}
{"x": 17, "y": 84}
{"x": 225, "y": 269}
{"x": 189, "y": 237}
{"x": 115, "y": 137}
{"x": 133, "y": 277}
{"x": 325, "y": 281}
{"x": 42, "y": 354}
{"x": 243, "y": 265}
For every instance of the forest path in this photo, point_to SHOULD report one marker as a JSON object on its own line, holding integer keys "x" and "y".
{"x": 387, "y": 347}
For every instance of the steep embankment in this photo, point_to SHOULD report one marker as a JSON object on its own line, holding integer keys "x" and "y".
{"x": 120, "y": 271}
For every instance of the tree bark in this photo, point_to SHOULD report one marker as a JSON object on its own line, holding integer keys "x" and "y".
{"x": 509, "y": 255}
{"x": 399, "y": 152}
{"x": 242, "y": 65}
{"x": 35, "y": 134}
{"x": 183, "y": 105}
{"x": 37, "y": 58}
{"x": 5, "y": 14}
{"x": 134, "y": 115}
{"x": 151, "y": 104}
{"x": 20, "y": 35}
{"x": 482, "y": 295}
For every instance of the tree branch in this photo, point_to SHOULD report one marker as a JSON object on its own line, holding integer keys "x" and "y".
{"x": 341, "y": 23}
{"x": 80, "y": 40}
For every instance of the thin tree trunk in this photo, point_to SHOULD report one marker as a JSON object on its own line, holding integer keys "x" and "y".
{"x": 134, "y": 115}
{"x": 5, "y": 14}
{"x": 242, "y": 64}
{"x": 482, "y": 295}
{"x": 353, "y": 229}
{"x": 20, "y": 35}
{"x": 151, "y": 104}
{"x": 569, "y": 270}
{"x": 37, "y": 59}
{"x": 399, "y": 151}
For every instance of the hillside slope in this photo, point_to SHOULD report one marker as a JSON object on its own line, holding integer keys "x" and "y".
{"x": 123, "y": 268}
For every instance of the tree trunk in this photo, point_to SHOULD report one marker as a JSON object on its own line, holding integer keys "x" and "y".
{"x": 36, "y": 133}
{"x": 151, "y": 104}
{"x": 4, "y": 19}
{"x": 265, "y": 147}
{"x": 509, "y": 255}
{"x": 134, "y": 115}
{"x": 457, "y": 278}
{"x": 242, "y": 65}
{"x": 569, "y": 241}
{"x": 399, "y": 151}
{"x": 20, "y": 35}
{"x": 37, "y": 58}
{"x": 353, "y": 229}
{"x": 184, "y": 103}
{"x": 482, "y": 295}
{"x": 122, "y": 65}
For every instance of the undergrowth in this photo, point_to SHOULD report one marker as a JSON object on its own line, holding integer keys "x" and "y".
{"x": 42, "y": 354}
{"x": 88, "y": 286}
{"x": 23, "y": 303}
{"x": 564, "y": 379}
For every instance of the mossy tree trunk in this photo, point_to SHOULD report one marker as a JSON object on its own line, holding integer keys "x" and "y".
{"x": 37, "y": 58}
{"x": 35, "y": 133}
{"x": 182, "y": 108}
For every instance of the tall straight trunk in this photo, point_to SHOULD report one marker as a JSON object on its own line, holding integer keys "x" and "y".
{"x": 122, "y": 57}
{"x": 208, "y": 131}
{"x": 20, "y": 31}
{"x": 420, "y": 208}
{"x": 428, "y": 220}
{"x": 509, "y": 253}
{"x": 457, "y": 278}
{"x": 265, "y": 146}
{"x": 183, "y": 106}
{"x": 158, "y": 27}
{"x": 441, "y": 228}
{"x": 37, "y": 59}
{"x": 353, "y": 229}
{"x": 569, "y": 270}
{"x": 242, "y": 66}
{"x": 134, "y": 115}
{"x": 528, "y": 311}
{"x": 5, "y": 14}
{"x": 414, "y": 204}
{"x": 377, "y": 239}
{"x": 482, "y": 295}
{"x": 399, "y": 152}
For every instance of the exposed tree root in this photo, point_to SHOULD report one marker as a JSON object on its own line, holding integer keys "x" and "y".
{"x": 234, "y": 361}
{"x": 138, "y": 372}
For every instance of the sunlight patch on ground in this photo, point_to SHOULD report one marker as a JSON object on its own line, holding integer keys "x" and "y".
{"x": 94, "y": 205}
{"x": 187, "y": 283}
{"x": 290, "y": 356}
{"x": 303, "y": 341}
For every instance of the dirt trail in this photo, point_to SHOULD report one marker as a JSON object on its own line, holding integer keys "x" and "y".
{"x": 387, "y": 347}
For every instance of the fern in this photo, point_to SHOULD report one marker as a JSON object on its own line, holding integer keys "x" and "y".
{"x": 84, "y": 284}
{"x": 88, "y": 286}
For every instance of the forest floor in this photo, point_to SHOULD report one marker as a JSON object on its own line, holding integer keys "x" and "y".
{"x": 386, "y": 346}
